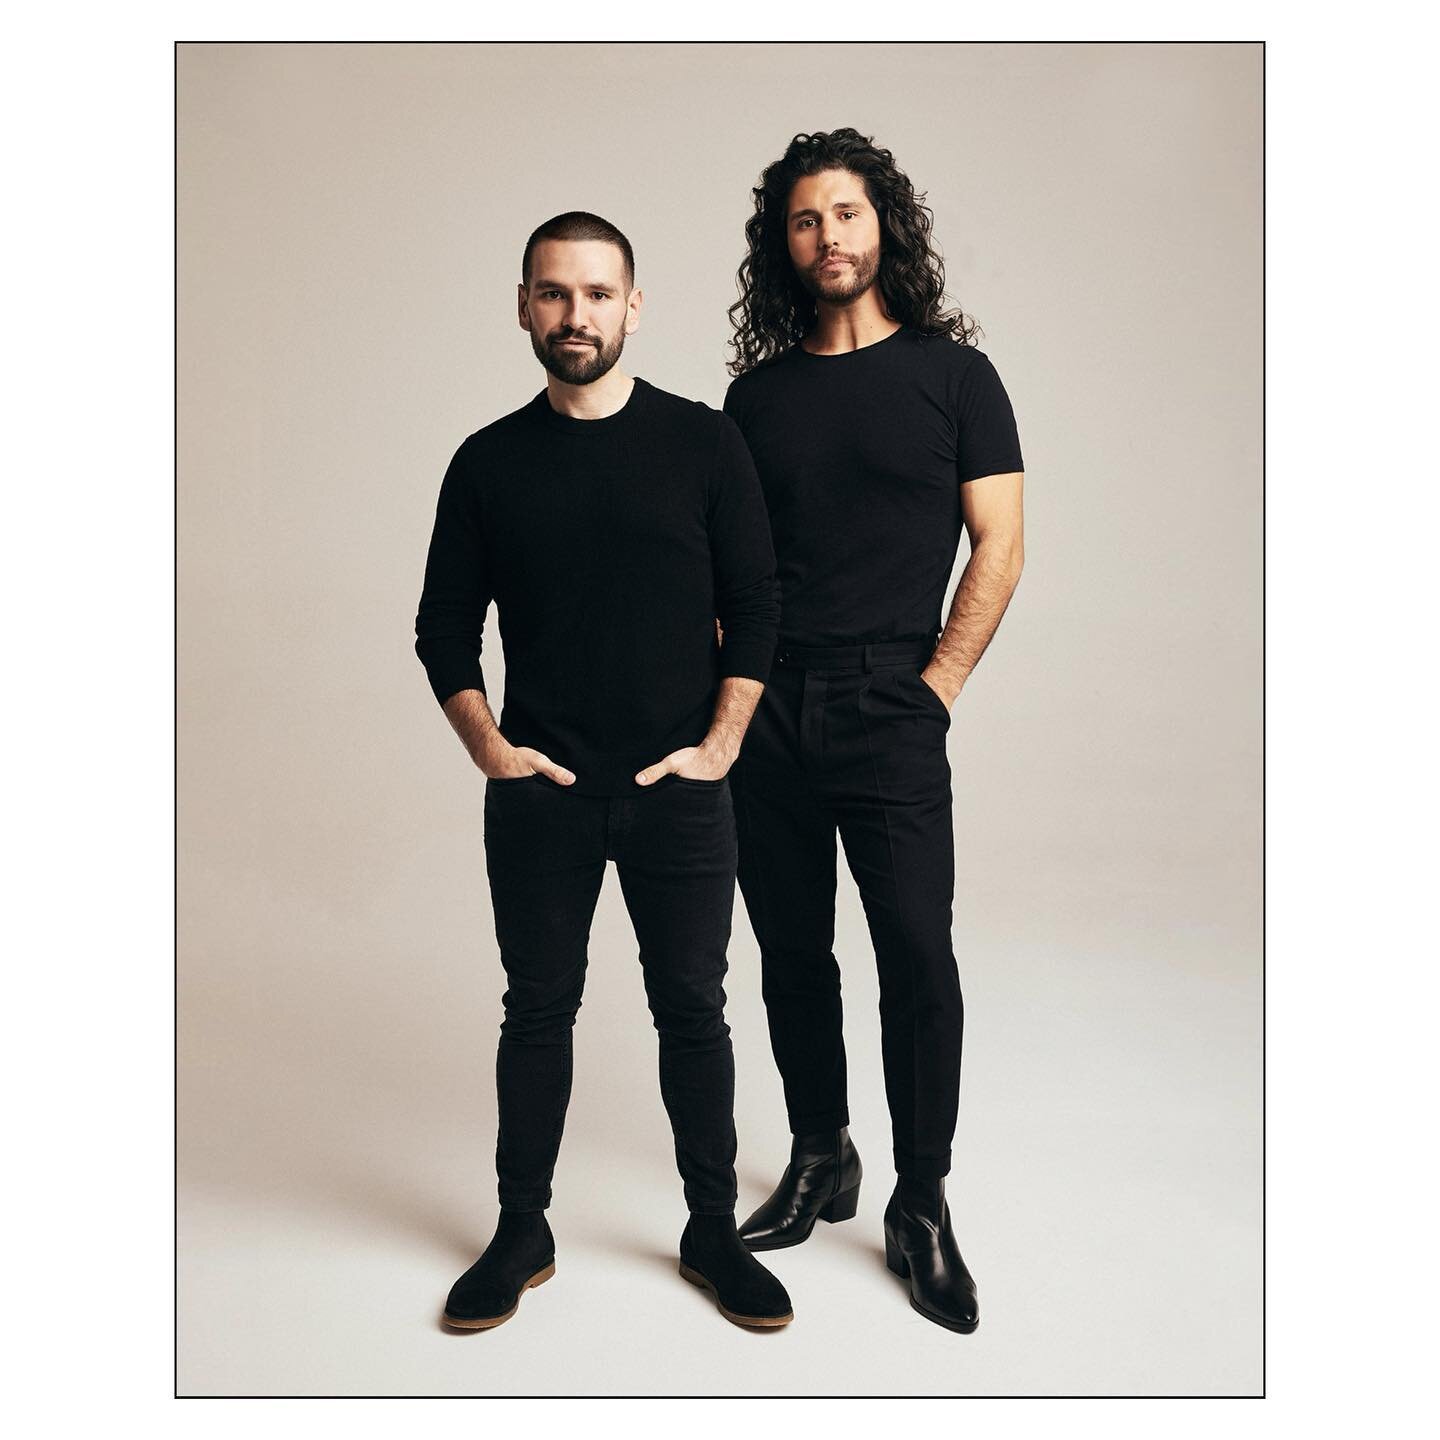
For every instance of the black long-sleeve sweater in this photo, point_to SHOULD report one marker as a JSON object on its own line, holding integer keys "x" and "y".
{"x": 610, "y": 548}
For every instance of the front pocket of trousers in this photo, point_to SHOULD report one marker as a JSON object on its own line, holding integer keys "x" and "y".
{"x": 701, "y": 784}
{"x": 513, "y": 779}
{"x": 930, "y": 695}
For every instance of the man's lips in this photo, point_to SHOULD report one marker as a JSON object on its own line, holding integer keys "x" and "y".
{"x": 834, "y": 262}
{"x": 579, "y": 344}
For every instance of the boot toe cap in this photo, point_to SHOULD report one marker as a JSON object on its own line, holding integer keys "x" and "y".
{"x": 478, "y": 1302}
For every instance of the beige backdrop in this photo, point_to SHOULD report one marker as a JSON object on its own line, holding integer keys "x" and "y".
{"x": 350, "y": 226}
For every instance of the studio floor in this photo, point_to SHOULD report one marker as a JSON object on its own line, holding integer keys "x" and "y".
{"x": 1106, "y": 1192}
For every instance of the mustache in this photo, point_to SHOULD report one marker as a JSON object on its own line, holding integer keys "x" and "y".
{"x": 558, "y": 337}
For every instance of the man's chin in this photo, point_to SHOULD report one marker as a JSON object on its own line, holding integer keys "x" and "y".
{"x": 838, "y": 291}
{"x": 575, "y": 370}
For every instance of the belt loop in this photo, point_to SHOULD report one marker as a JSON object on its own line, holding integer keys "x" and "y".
{"x": 865, "y": 660}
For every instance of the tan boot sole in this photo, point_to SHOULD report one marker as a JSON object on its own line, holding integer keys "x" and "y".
{"x": 538, "y": 1278}
{"x": 763, "y": 1322}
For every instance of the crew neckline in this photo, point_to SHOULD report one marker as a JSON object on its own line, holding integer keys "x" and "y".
{"x": 851, "y": 354}
{"x": 604, "y": 425}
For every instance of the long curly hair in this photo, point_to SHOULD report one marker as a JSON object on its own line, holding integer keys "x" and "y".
{"x": 775, "y": 310}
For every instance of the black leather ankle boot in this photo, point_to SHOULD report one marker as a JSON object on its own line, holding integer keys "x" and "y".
{"x": 821, "y": 1182}
{"x": 712, "y": 1257}
{"x": 920, "y": 1247}
{"x": 520, "y": 1257}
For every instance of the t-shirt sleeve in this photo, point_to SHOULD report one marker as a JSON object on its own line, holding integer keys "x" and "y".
{"x": 734, "y": 403}
{"x": 450, "y": 625}
{"x": 988, "y": 442}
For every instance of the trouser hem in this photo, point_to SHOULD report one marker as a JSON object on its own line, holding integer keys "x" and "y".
{"x": 820, "y": 1121}
{"x": 524, "y": 1204}
{"x": 911, "y": 1167}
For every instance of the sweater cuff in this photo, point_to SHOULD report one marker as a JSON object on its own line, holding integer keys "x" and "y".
{"x": 449, "y": 675}
{"x": 742, "y": 658}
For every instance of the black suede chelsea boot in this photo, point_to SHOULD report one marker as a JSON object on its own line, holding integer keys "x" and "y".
{"x": 713, "y": 1257}
{"x": 821, "y": 1182}
{"x": 520, "y": 1257}
{"x": 920, "y": 1247}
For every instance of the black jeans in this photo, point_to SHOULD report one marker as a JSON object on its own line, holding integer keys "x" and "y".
{"x": 674, "y": 847}
{"x": 857, "y": 747}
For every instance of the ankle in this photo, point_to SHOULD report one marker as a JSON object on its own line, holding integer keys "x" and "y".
{"x": 922, "y": 1196}
{"x": 708, "y": 1232}
{"x": 522, "y": 1226}
{"x": 814, "y": 1139}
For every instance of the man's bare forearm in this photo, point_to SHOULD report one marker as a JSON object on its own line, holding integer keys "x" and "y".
{"x": 470, "y": 717}
{"x": 734, "y": 707}
{"x": 712, "y": 758}
{"x": 469, "y": 714}
{"x": 984, "y": 591}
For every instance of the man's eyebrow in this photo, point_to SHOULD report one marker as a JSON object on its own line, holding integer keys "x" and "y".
{"x": 838, "y": 205}
{"x": 588, "y": 285}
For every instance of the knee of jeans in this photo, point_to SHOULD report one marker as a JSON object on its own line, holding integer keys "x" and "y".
{"x": 788, "y": 974}
{"x": 545, "y": 1029}
{"x": 539, "y": 1015}
{"x": 690, "y": 1022}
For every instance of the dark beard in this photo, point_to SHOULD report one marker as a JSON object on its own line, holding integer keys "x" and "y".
{"x": 842, "y": 290}
{"x": 577, "y": 367}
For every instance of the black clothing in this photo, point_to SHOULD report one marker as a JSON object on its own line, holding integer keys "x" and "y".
{"x": 821, "y": 1182}
{"x": 862, "y": 750}
{"x": 610, "y": 548}
{"x": 861, "y": 457}
{"x": 674, "y": 847}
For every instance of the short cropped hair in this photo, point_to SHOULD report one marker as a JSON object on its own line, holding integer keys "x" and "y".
{"x": 579, "y": 225}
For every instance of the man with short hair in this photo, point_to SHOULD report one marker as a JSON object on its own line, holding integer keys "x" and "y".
{"x": 612, "y": 523}
{"x": 877, "y": 439}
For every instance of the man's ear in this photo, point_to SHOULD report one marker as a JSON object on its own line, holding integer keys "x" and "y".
{"x": 522, "y": 301}
{"x": 633, "y": 302}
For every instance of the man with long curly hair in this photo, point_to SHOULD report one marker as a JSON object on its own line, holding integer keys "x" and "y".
{"x": 879, "y": 433}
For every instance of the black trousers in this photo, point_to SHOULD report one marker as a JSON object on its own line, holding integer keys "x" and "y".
{"x": 853, "y": 741}
{"x": 674, "y": 847}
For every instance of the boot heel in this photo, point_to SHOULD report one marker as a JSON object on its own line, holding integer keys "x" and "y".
{"x": 843, "y": 1206}
{"x": 895, "y": 1260}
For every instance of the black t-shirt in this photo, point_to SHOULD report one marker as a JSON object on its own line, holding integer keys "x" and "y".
{"x": 862, "y": 456}
{"x": 610, "y": 548}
